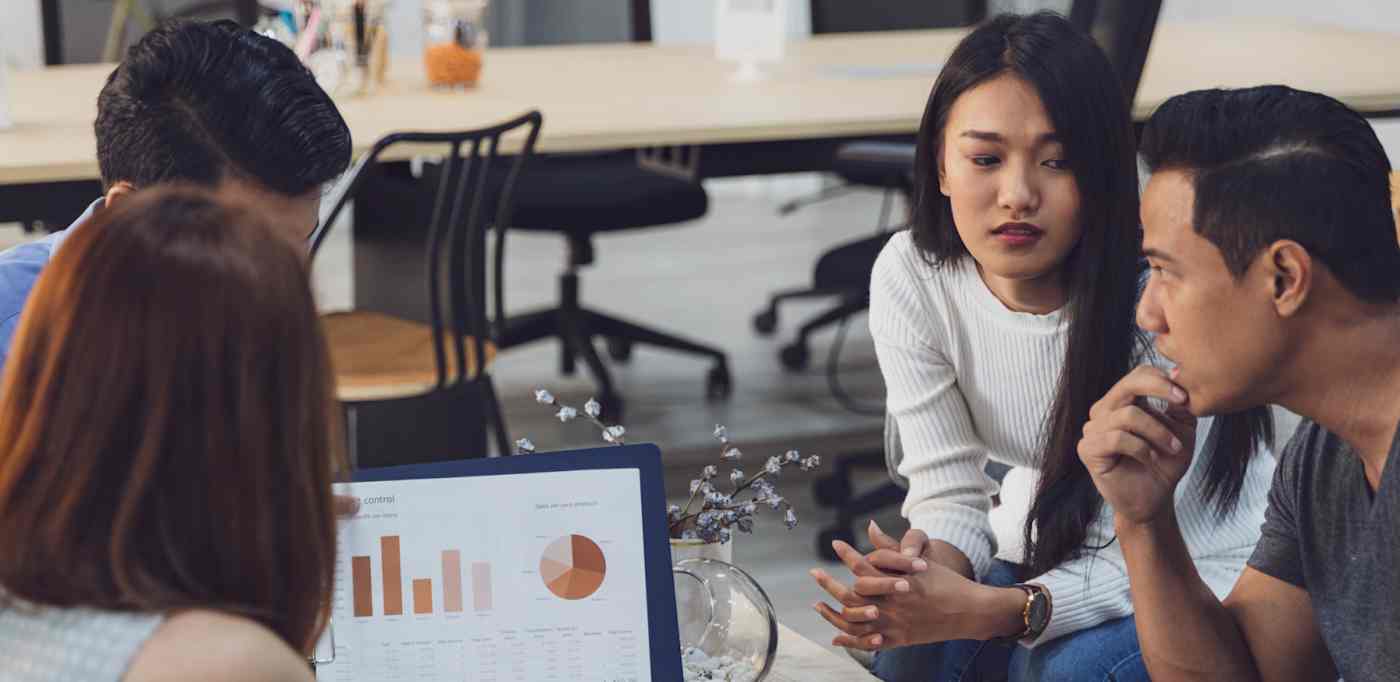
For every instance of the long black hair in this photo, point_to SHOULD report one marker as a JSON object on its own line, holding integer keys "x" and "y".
{"x": 1102, "y": 272}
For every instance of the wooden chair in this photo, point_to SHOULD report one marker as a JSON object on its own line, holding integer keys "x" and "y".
{"x": 417, "y": 378}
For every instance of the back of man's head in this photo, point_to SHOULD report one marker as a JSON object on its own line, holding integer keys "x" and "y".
{"x": 201, "y": 102}
{"x": 1272, "y": 163}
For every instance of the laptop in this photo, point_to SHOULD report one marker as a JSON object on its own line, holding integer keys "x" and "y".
{"x": 551, "y": 566}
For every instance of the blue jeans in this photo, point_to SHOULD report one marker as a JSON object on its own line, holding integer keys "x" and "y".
{"x": 1107, "y": 652}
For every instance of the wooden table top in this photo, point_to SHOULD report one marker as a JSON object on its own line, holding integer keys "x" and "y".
{"x": 627, "y": 95}
{"x": 802, "y": 660}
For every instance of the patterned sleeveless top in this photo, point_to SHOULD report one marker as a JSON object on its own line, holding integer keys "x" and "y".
{"x": 43, "y": 644}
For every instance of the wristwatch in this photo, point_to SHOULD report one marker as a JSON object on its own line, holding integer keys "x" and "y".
{"x": 1036, "y": 613}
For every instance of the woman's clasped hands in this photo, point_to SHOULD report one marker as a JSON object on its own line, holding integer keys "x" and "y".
{"x": 901, "y": 596}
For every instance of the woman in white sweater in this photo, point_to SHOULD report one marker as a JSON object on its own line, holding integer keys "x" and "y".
{"x": 998, "y": 320}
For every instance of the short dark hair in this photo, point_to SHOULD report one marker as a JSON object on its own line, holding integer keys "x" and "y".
{"x": 1272, "y": 163}
{"x": 200, "y": 101}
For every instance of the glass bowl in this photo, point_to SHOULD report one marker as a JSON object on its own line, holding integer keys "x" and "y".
{"x": 727, "y": 625}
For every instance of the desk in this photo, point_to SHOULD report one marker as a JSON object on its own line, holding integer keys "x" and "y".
{"x": 627, "y": 95}
{"x": 802, "y": 660}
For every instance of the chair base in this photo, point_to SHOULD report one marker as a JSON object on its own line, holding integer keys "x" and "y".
{"x": 835, "y": 490}
{"x": 576, "y": 327}
{"x": 796, "y": 356}
{"x": 445, "y": 424}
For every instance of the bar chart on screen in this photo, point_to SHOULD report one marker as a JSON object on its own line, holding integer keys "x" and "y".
{"x": 491, "y": 579}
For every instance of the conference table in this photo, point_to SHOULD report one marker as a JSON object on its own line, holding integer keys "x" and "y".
{"x": 829, "y": 87}
{"x": 827, "y": 90}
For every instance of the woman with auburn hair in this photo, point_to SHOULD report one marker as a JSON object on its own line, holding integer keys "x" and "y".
{"x": 167, "y": 445}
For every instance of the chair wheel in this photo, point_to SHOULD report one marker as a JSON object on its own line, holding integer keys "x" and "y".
{"x": 718, "y": 384}
{"x": 831, "y": 490}
{"x": 831, "y": 534}
{"x": 794, "y": 357}
{"x": 765, "y": 322}
{"x": 620, "y": 349}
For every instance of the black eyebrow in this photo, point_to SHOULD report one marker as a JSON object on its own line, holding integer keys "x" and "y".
{"x": 987, "y": 136}
{"x": 1159, "y": 255}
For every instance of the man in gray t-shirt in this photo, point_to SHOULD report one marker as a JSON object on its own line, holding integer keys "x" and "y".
{"x": 1275, "y": 280}
{"x": 1328, "y": 533}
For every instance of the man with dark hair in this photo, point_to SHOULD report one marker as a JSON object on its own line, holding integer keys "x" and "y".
{"x": 1275, "y": 280}
{"x": 211, "y": 104}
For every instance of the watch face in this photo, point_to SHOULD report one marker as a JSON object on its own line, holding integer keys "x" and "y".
{"x": 1039, "y": 613}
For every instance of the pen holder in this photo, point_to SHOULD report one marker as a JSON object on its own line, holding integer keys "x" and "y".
{"x": 345, "y": 43}
{"x": 455, "y": 37}
{"x": 728, "y": 628}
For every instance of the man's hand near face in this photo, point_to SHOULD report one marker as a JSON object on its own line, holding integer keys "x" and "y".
{"x": 1137, "y": 455}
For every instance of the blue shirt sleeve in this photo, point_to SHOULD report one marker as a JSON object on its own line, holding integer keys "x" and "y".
{"x": 7, "y": 335}
{"x": 19, "y": 271}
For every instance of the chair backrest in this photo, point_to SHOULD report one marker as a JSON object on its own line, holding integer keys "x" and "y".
{"x": 245, "y": 12}
{"x": 846, "y": 16}
{"x": 569, "y": 22}
{"x": 894, "y": 451}
{"x": 469, "y": 187}
{"x": 641, "y": 21}
{"x": 1123, "y": 28}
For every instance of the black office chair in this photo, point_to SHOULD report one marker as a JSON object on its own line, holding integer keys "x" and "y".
{"x": 844, "y": 16}
{"x": 844, "y": 272}
{"x": 1124, "y": 29}
{"x": 418, "y": 392}
{"x": 580, "y": 196}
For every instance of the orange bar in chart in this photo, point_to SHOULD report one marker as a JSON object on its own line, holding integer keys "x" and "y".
{"x": 452, "y": 581}
{"x": 393, "y": 576}
{"x": 360, "y": 577}
{"x": 422, "y": 595}
{"x": 573, "y": 567}
{"x": 481, "y": 586}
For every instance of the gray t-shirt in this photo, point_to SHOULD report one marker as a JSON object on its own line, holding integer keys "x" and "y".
{"x": 1325, "y": 532}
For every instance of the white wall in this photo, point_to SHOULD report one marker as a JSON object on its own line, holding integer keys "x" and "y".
{"x": 1379, "y": 15}
{"x": 21, "y": 34}
{"x": 674, "y": 22}
{"x": 690, "y": 22}
{"x": 1375, "y": 15}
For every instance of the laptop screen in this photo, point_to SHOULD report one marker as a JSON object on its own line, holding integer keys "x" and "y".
{"x": 535, "y": 567}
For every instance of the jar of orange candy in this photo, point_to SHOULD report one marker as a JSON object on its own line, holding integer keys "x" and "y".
{"x": 454, "y": 38}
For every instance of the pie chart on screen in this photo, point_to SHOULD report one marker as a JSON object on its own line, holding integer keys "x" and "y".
{"x": 573, "y": 567}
